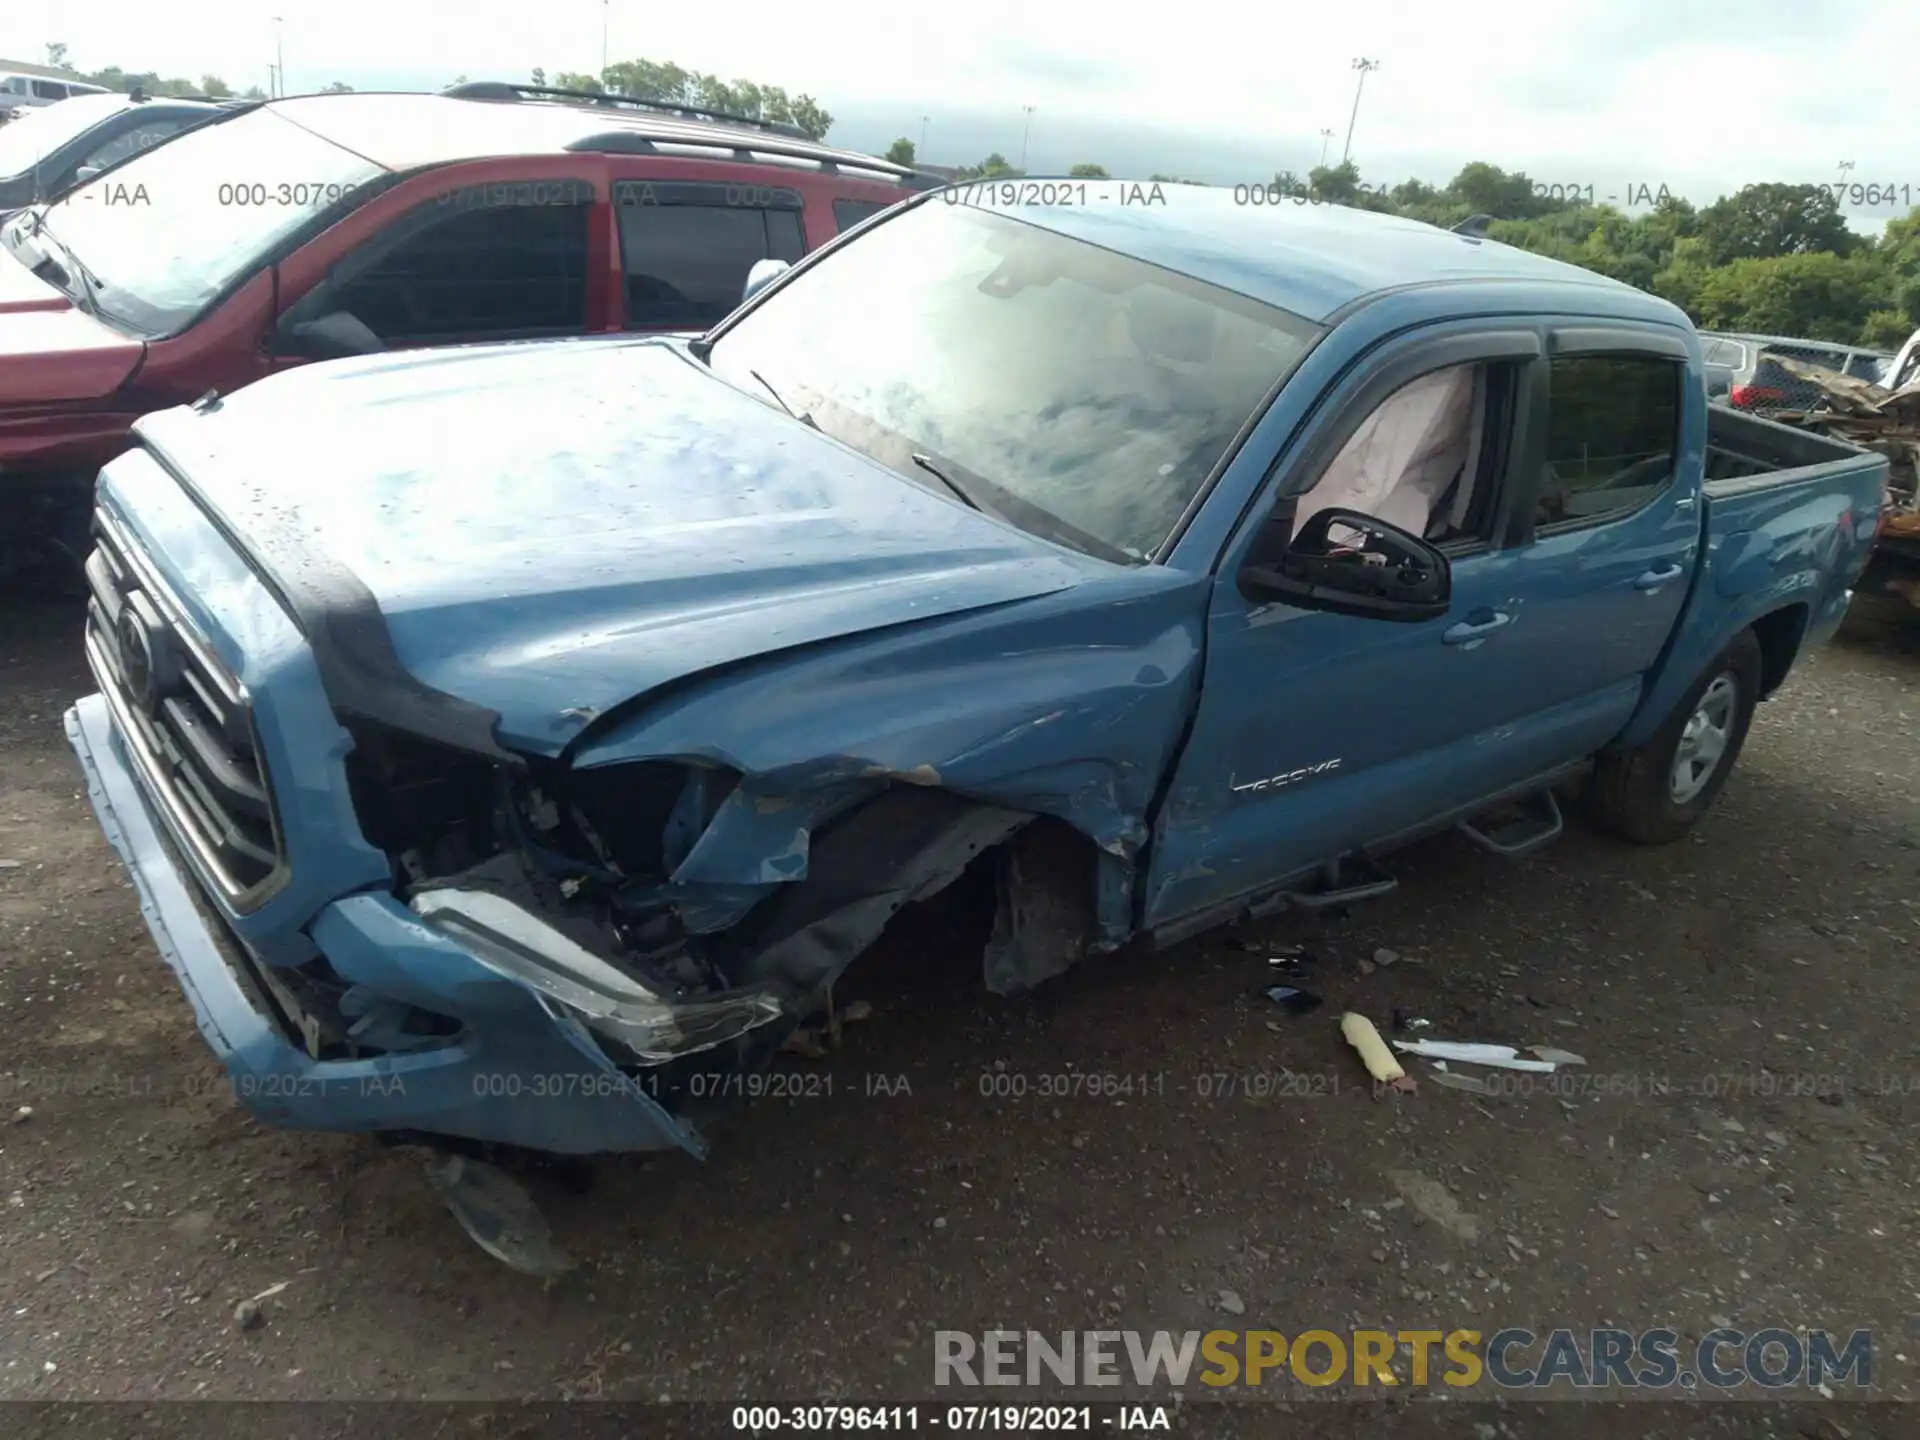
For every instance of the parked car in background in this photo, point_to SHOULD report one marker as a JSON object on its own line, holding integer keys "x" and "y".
{"x": 563, "y": 720}
{"x": 19, "y": 92}
{"x": 50, "y": 150}
{"x": 329, "y": 225}
{"x": 1756, "y": 384}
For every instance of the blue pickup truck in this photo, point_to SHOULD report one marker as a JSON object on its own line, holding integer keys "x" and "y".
{"x": 502, "y": 738}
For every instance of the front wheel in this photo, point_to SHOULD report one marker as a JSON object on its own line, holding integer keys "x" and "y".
{"x": 1655, "y": 792}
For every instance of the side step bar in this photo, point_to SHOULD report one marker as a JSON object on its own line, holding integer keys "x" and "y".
{"x": 1541, "y": 824}
{"x": 1346, "y": 880}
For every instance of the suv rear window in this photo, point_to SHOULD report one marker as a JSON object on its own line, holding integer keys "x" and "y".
{"x": 849, "y": 213}
{"x": 687, "y": 246}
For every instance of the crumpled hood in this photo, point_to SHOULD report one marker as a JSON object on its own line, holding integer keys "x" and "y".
{"x": 550, "y": 529}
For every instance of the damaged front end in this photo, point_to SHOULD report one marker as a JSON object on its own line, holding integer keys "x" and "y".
{"x": 684, "y": 921}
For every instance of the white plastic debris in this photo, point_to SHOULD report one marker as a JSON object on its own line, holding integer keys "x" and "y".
{"x": 1503, "y": 1057}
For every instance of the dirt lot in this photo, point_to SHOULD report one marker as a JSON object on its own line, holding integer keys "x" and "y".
{"x": 1761, "y": 974}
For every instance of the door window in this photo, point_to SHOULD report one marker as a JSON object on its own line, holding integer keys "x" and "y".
{"x": 1613, "y": 429}
{"x": 849, "y": 213}
{"x": 1427, "y": 459}
{"x": 490, "y": 263}
{"x": 133, "y": 140}
{"x": 687, "y": 247}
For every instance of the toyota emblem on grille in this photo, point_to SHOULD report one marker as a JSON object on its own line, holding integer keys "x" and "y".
{"x": 137, "y": 661}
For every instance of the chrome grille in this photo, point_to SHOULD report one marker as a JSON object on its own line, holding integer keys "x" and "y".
{"x": 183, "y": 718}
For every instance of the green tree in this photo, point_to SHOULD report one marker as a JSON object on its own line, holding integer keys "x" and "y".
{"x": 994, "y": 166}
{"x": 1759, "y": 222}
{"x": 1819, "y": 295}
{"x": 670, "y": 84}
{"x": 1337, "y": 183}
{"x": 1886, "y": 329}
{"x": 539, "y": 76}
{"x": 574, "y": 80}
{"x": 1089, "y": 172}
{"x": 1506, "y": 195}
{"x": 214, "y": 88}
{"x": 901, "y": 151}
{"x": 336, "y": 88}
{"x": 57, "y": 56}
{"x": 1158, "y": 179}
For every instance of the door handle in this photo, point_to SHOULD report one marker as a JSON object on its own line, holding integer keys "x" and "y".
{"x": 1468, "y": 631}
{"x": 1654, "y": 579}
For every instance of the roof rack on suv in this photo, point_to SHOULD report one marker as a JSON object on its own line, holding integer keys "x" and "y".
{"x": 504, "y": 90}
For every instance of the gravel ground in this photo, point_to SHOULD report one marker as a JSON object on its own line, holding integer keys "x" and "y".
{"x": 1739, "y": 1148}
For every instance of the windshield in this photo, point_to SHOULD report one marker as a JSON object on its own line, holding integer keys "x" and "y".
{"x": 38, "y": 133}
{"x": 1074, "y": 391}
{"x": 169, "y": 230}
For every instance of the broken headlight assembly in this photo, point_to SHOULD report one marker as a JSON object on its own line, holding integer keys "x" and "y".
{"x": 608, "y": 1001}
{"x": 556, "y": 883}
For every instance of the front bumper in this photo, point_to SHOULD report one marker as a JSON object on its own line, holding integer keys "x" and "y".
{"x": 516, "y": 1074}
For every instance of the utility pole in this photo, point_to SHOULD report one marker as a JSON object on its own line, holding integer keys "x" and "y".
{"x": 280, "y": 58}
{"x": 1364, "y": 67}
{"x": 1025, "y": 134}
{"x": 605, "y": 7}
{"x": 1326, "y": 138}
{"x": 921, "y": 153}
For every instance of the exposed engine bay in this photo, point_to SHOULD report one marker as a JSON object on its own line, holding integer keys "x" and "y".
{"x": 574, "y": 883}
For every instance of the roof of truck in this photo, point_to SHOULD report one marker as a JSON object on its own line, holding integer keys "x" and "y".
{"x": 402, "y": 131}
{"x": 1310, "y": 259}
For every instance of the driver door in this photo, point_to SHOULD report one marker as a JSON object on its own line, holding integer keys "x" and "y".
{"x": 1318, "y": 733}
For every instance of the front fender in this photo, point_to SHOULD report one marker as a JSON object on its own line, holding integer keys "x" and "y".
{"x": 1069, "y": 705}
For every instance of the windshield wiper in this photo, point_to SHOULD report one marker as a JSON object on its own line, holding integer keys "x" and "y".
{"x": 70, "y": 266}
{"x": 947, "y": 480}
{"x": 768, "y": 384}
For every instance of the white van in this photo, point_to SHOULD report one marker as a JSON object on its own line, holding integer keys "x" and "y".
{"x": 24, "y": 92}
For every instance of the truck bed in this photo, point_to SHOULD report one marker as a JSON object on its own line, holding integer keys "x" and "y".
{"x": 1788, "y": 523}
{"x": 1743, "y": 448}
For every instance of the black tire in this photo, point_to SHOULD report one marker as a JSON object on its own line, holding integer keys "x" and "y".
{"x": 1634, "y": 791}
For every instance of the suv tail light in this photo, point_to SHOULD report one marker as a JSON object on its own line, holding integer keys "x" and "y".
{"x": 1748, "y": 396}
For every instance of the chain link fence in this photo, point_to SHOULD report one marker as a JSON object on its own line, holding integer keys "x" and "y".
{"x": 1751, "y": 377}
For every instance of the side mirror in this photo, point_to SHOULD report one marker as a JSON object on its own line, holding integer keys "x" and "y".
{"x": 763, "y": 274}
{"x": 334, "y": 336}
{"x": 1350, "y": 563}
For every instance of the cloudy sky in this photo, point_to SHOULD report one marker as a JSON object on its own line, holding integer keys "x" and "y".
{"x": 1605, "y": 93}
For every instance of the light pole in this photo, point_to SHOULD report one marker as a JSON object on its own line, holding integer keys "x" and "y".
{"x": 922, "y": 152}
{"x": 1846, "y": 168}
{"x": 1326, "y": 138}
{"x": 1025, "y": 134}
{"x": 280, "y": 57}
{"x": 606, "y": 7}
{"x": 1364, "y": 67}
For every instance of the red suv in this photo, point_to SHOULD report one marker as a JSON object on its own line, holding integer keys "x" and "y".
{"x": 330, "y": 225}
